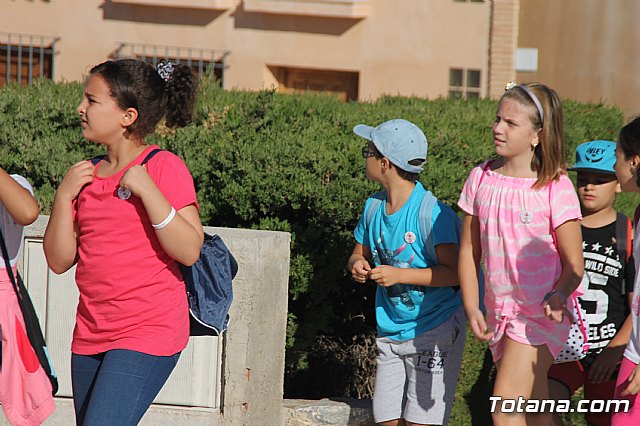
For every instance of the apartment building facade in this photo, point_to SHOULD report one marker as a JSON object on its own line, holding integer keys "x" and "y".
{"x": 359, "y": 49}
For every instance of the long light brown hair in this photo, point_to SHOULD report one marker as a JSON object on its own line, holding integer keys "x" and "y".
{"x": 548, "y": 159}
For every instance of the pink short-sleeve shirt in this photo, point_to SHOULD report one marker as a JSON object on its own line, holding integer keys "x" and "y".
{"x": 521, "y": 260}
{"x": 132, "y": 295}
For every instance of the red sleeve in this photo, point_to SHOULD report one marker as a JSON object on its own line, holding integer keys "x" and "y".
{"x": 173, "y": 178}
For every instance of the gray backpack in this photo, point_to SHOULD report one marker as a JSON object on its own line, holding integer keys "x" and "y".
{"x": 424, "y": 218}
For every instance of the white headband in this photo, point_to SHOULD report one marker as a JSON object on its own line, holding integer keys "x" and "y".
{"x": 532, "y": 95}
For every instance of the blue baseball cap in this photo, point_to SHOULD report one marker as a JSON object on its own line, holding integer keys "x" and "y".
{"x": 595, "y": 156}
{"x": 399, "y": 140}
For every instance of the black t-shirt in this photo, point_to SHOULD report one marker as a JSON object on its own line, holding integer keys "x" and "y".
{"x": 605, "y": 301}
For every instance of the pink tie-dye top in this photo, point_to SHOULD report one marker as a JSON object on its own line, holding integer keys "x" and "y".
{"x": 521, "y": 259}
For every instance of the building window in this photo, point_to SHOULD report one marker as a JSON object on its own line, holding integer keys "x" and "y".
{"x": 25, "y": 57}
{"x": 203, "y": 62}
{"x": 343, "y": 84}
{"x": 464, "y": 83}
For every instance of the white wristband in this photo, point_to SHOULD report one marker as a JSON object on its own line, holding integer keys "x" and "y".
{"x": 165, "y": 222}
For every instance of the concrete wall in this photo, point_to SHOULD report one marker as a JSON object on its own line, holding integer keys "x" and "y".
{"x": 401, "y": 47}
{"x": 587, "y": 49}
{"x": 251, "y": 379}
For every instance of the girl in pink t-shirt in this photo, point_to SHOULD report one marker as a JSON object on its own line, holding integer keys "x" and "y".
{"x": 628, "y": 383}
{"x": 127, "y": 226}
{"x": 522, "y": 219}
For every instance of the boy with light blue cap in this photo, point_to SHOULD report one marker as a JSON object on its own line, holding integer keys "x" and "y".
{"x": 595, "y": 157}
{"x": 610, "y": 273}
{"x": 407, "y": 244}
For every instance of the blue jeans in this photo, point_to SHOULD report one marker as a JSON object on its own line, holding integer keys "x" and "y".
{"x": 117, "y": 387}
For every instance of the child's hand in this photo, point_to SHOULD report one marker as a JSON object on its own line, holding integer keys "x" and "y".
{"x": 605, "y": 364}
{"x": 78, "y": 175}
{"x": 478, "y": 325}
{"x": 360, "y": 271}
{"x": 385, "y": 275}
{"x": 137, "y": 180}
{"x": 634, "y": 383}
{"x": 555, "y": 306}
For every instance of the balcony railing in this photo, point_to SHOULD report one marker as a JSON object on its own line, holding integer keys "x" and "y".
{"x": 201, "y": 61}
{"x": 24, "y": 57}
{"x": 353, "y": 9}
{"x": 187, "y": 4}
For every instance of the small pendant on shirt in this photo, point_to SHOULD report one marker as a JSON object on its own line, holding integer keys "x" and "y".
{"x": 124, "y": 193}
{"x": 526, "y": 217}
{"x": 410, "y": 237}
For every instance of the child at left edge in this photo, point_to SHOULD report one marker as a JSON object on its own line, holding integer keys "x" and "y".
{"x": 25, "y": 390}
{"x": 419, "y": 314}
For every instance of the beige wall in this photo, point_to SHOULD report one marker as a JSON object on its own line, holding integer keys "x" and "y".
{"x": 90, "y": 30}
{"x": 401, "y": 47}
{"x": 587, "y": 49}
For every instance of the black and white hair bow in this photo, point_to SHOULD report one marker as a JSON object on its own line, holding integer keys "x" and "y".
{"x": 165, "y": 69}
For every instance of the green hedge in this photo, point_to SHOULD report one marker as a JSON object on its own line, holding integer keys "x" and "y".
{"x": 288, "y": 162}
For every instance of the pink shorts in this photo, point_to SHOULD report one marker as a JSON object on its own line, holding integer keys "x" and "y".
{"x": 631, "y": 417}
{"x": 528, "y": 331}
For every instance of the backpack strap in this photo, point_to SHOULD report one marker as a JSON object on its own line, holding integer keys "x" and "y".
{"x": 374, "y": 205}
{"x": 629, "y": 238}
{"x": 424, "y": 219}
{"x": 95, "y": 160}
{"x": 150, "y": 156}
{"x": 623, "y": 244}
{"x": 623, "y": 236}
{"x": 485, "y": 168}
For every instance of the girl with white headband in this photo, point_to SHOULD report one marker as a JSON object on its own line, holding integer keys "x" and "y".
{"x": 127, "y": 225}
{"x": 522, "y": 219}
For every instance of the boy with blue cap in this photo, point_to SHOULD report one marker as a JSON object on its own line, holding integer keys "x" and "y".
{"x": 407, "y": 244}
{"x": 610, "y": 273}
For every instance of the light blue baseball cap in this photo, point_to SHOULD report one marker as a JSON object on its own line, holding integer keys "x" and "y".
{"x": 595, "y": 156}
{"x": 399, "y": 140}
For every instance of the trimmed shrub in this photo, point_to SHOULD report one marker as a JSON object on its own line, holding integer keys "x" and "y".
{"x": 291, "y": 162}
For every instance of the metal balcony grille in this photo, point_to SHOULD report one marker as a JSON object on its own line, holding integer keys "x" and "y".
{"x": 24, "y": 57}
{"x": 203, "y": 62}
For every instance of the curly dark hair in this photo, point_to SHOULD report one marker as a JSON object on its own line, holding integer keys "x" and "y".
{"x": 629, "y": 141}
{"x": 136, "y": 84}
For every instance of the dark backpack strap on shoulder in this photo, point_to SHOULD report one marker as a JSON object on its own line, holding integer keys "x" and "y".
{"x": 629, "y": 238}
{"x": 95, "y": 160}
{"x": 623, "y": 236}
{"x": 623, "y": 242}
{"x": 150, "y": 156}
